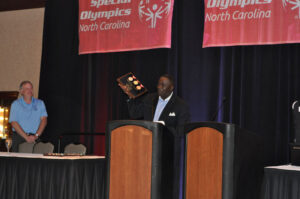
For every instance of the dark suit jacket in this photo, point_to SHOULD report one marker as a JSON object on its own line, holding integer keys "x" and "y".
{"x": 175, "y": 113}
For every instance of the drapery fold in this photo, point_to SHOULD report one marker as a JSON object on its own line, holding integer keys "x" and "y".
{"x": 28, "y": 178}
{"x": 280, "y": 184}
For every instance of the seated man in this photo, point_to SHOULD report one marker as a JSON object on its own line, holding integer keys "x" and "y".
{"x": 28, "y": 117}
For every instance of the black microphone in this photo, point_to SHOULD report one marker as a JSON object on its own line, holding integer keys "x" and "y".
{"x": 219, "y": 108}
{"x": 294, "y": 104}
{"x": 296, "y": 121}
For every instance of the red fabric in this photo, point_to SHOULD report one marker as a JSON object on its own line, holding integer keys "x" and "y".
{"x": 122, "y": 25}
{"x": 247, "y": 22}
{"x": 102, "y": 112}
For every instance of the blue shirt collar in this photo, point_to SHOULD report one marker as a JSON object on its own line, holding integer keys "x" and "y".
{"x": 23, "y": 101}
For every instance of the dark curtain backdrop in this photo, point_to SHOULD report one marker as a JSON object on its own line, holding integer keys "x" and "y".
{"x": 258, "y": 83}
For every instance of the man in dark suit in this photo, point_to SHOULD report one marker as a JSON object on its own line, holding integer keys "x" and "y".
{"x": 163, "y": 106}
{"x": 167, "y": 108}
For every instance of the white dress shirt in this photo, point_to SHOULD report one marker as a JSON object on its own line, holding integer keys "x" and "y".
{"x": 161, "y": 104}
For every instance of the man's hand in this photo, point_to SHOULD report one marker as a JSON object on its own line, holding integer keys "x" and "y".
{"x": 20, "y": 131}
{"x": 30, "y": 138}
{"x": 125, "y": 89}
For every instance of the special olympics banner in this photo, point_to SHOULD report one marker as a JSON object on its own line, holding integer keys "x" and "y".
{"x": 248, "y": 22}
{"x": 123, "y": 25}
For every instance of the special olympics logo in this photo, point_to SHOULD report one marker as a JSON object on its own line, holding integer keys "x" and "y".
{"x": 294, "y": 5}
{"x": 153, "y": 10}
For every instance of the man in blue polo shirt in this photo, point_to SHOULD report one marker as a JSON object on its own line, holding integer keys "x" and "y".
{"x": 28, "y": 117}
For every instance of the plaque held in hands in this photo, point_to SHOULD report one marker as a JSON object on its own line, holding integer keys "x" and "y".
{"x": 131, "y": 86}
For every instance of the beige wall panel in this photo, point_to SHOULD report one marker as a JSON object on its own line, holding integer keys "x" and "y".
{"x": 21, "y": 48}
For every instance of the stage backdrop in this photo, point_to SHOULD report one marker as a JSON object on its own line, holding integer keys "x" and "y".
{"x": 248, "y": 22}
{"x": 260, "y": 83}
{"x": 123, "y": 25}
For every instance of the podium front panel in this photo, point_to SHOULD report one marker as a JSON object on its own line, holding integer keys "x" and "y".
{"x": 204, "y": 157}
{"x": 130, "y": 163}
{"x": 223, "y": 161}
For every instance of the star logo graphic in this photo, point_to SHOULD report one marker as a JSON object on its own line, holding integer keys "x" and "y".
{"x": 153, "y": 10}
{"x": 294, "y": 5}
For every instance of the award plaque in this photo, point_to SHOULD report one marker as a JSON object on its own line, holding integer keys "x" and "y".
{"x": 134, "y": 86}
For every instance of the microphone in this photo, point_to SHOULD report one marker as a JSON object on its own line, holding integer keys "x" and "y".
{"x": 218, "y": 109}
{"x": 294, "y": 103}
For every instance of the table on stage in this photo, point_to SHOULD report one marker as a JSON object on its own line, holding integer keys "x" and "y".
{"x": 34, "y": 176}
{"x": 281, "y": 182}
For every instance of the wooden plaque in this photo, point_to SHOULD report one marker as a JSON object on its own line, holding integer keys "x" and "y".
{"x": 135, "y": 87}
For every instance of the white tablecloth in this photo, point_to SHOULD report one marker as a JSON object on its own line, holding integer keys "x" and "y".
{"x": 285, "y": 167}
{"x": 34, "y": 155}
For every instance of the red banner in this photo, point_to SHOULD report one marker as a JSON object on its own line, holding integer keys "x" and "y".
{"x": 123, "y": 25}
{"x": 251, "y": 22}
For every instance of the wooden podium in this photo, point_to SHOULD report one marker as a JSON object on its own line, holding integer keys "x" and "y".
{"x": 222, "y": 161}
{"x": 139, "y": 160}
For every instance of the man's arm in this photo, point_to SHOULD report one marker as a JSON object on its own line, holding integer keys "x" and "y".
{"x": 42, "y": 126}
{"x": 135, "y": 108}
{"x": 20, "y": 131}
